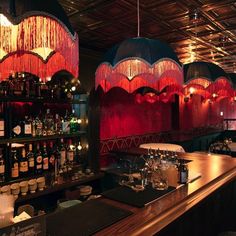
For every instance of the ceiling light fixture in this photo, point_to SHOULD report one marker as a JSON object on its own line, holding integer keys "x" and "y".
{"x": 40, "y": 42}
{"x": 140, "y": 62}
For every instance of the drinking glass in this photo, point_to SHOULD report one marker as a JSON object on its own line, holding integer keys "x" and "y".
{"x": 159, "y": 178}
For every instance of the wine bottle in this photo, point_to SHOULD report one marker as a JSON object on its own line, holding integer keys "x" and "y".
{"x": 23, "y": 162}
{"x": 18, "y": 85}
{"x": 16, "y": 128}
{"x": 45, "y": 157}
{"x": 2, "y": 167}
{"x": 30, "y": 157}
{"x": 38, "y": 126}
{"x": 48, "y": 123}
{"x": 27, "y": 129}
{"x": 38, "y": 160}
{"x": 74, "y": 125}
{"x": 14, "y": 165}
{"x": 62, "y": 159}
{"x": 2, "y": 122}
{"x": 51, "y": 155}
{"x": 70, "y": 154}
{"x": 58, "y": 124}
{"x": 66, "y": 124}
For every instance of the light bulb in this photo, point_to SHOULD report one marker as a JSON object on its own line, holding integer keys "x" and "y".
{"x": 79, "y": 147}
{"x": 191, "y": 90}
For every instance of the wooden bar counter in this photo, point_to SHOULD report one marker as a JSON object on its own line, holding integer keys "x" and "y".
{"x": 216, "y": 171}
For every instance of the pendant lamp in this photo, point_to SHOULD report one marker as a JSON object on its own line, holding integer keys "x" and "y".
{"x": 36, "y": 37}
{"x": 140, "y": 62}
{"x": 206, "y": 79}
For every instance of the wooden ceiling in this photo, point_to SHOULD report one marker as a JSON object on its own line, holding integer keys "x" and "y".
{"x": 101, "y": 24}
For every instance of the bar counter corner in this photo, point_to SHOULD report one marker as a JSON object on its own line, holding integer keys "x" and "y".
{"x": 202, "y": 207}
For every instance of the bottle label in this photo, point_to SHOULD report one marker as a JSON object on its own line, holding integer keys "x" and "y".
{"x": 65, "y": 127}
{"x": 183, "y": 177}
{"x": 45, "y": 163}
{"x": 2, "y": 133}
{"x": 31, "y": 162}
{"x": 63, "y": 158}
{"x": 39, "y": 159}
{"x": 70, "y": 156}
{"x": 17, "y": 130}
{"x": 23, "y": 166}
{"x": 39, "y": 166}
{"x": 2, "y": 169}
{"x": 52, "y": 160}
{"x": 15, "y": 171}
{"x": 2, "y": 125}
{"x": 28, "y": 129}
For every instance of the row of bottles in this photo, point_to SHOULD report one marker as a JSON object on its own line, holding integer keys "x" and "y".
{"x": 30, "y": 86}
{"x": 50, "y": 156}
{"x": 48, "y": 124}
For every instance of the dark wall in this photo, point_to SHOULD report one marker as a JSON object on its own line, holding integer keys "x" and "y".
{"x": 88, "y": 63}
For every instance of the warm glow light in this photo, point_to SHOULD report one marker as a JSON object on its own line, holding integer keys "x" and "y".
{"x": 38, "y": 44}
{"x": 4, "y": 21}
{"x": 221, "y": 113}
{"x": 43, "y": 52}
{"x": 191, "y": 90}
{"x": 2, "y": 53}
{"x": 214, "y": 95}
{"x": 79, "y": 147}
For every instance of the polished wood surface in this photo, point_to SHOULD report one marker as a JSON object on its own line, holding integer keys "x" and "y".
{"x": 215, "y": 170}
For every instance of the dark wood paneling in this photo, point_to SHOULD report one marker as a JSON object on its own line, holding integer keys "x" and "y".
{"x": 101, "y": 24}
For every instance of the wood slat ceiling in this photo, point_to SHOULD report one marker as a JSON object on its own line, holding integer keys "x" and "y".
{"x": 101, "y": 24}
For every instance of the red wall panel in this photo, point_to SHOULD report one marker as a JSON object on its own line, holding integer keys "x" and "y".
{"x": 121, "y": 116}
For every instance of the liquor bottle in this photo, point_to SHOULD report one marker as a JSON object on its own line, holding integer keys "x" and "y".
{"x": 62, "y": 160}
{"x": 79, "y": 152}
{"x": 27, "y": 129}
{"x": 38, "y": 160}
{"x": 38, "y": 126}
{"x": 30, "y": 157}
{"x": 14, "y": 165}
{"x": 18, "y": 85}
{"x": 45, "y": 157}
{"x": 183, "y": 172}
{"x": 58, "y": 124}
{"x": 52, "y": 156}
{"x": 66, "y": 124}
{"x": 23, "y": 162}
{"x": 48, "y": 123}
{"x": 31, "y": 85}
{"x": 2, "y": 167}
{"x": 16, "y": 129}
{"x": 2, "y": 123}
{"x": 57, "y": 154}
{"x": 70, "y": 154}
{"x": 74, "y": 126}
